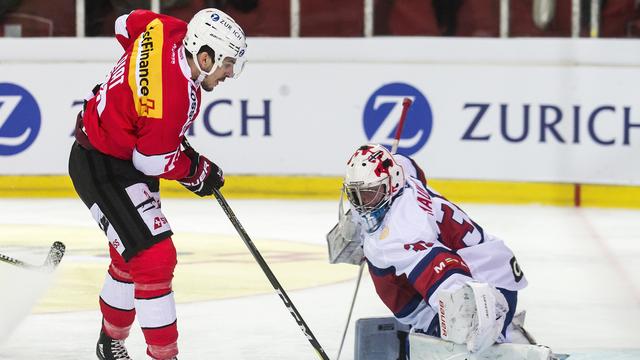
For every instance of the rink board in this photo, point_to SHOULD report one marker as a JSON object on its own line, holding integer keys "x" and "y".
{"x": 310, "y": 187}
{"x": 516, "y": 110}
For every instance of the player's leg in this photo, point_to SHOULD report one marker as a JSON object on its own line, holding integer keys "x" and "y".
{"x": 152, "y": 272}
{"x": 116, "y": 298}
{"x": 117, "y": 307}
{"x": 125, "y": 203}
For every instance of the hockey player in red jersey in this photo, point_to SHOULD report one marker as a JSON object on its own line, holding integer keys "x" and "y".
{"x": 130, "y": 134}
{"x": 434, "y": 267}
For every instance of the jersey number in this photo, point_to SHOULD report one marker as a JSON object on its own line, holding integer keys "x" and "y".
{"x": 451, "y": 231}
{"x": 171, "y": 161}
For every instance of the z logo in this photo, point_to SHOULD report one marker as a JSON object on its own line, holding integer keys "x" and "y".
{"x": 383, "y": 109}
{"x": 7, "y": 105}
{"x": 19, "y": 119}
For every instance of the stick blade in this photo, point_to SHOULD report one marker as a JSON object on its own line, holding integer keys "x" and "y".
{"x": 55, "y": 254}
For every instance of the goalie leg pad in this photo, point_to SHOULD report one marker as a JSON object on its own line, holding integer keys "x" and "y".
{"x": 425, "y": 347}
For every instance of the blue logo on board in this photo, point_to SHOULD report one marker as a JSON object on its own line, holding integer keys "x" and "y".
{"x": 215, "y": 17}
{"x": 19, "y": 119}
{"x": 382, "y": 114}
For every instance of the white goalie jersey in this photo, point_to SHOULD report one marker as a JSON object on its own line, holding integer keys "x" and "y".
{"x": 427, "y": 243}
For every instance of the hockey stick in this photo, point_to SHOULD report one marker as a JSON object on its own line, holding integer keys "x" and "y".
{"x": 394, "y": 147}
{"x": 272, "y": 278}
{"x": 396, "y": 140}
{"x": 353, "y": 302}
{"x": 56, "y": 252}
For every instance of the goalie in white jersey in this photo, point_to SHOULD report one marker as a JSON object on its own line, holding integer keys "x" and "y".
{"x": 432, "y": 265}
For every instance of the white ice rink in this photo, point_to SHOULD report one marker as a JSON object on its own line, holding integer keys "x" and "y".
{"x": 582, "y": 266}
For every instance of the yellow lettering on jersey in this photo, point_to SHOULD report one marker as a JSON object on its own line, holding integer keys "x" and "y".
{"x": 145, "y": 71}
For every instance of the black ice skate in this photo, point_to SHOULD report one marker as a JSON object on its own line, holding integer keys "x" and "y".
{"x": 111, "y": 349}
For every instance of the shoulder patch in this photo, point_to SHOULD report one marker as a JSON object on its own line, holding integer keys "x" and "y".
{"x": 515, "y": 267}
{"x": 145, "y": 70}
{"x": 384, "y": 233}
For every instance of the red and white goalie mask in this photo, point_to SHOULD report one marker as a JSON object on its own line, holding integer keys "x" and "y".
{"x": 373, "y": 178}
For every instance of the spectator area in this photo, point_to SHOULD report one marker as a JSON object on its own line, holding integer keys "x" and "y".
{"x": 333, "y": 18}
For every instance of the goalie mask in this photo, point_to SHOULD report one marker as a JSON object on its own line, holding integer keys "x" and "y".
{"x": 373, "y": 178}
{"x": 217, "y": 30}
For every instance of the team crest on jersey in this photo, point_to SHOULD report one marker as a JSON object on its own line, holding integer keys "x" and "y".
{"x": 418, "y": 246}
{"x": 384, "y": 233}
{"x": 145, "y": 71}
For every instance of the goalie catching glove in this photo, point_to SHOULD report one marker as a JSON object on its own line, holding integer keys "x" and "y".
{"x": 473, "y": 315}
{"x": 204, "y": 175}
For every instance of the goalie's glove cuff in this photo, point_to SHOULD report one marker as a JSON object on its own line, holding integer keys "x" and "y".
{"x": 473, "y": 314}
{"x": 491, "y": 312}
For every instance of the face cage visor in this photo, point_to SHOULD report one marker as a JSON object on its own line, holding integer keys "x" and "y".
{"x": 371, "y": 202}
{"x": 367, "y": 199}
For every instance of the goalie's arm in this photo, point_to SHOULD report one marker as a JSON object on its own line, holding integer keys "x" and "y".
{"x": 439, "y": 268}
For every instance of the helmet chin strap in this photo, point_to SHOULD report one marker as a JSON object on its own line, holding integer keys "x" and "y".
{"x": 203, "y": 73}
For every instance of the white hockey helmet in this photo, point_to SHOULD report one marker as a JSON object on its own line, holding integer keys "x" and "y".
{"x": 217, "y": 30}
{"x": 373, "y": 178}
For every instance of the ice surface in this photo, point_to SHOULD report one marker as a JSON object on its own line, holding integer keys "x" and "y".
{"x": 583, "y": 297}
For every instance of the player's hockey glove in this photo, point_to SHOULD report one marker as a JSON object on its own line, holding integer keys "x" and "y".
{"x": 204, "y": 175}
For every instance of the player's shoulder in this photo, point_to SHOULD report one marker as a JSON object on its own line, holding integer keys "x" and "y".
{"x": 148, "y": 18}
{"x": 415, "y": 203}
{"x": 398, "y": 243}
{"x": 404, "y": 221}
{"x": 150, "y": 30}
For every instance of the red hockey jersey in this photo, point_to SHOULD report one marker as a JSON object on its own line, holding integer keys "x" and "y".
{"x": 148, "y": 101}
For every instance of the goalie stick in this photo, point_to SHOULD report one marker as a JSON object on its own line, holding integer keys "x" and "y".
{"x": 272, "y": 278}
{"x": 394, "y": 147}
{"x": 54, "y": 256}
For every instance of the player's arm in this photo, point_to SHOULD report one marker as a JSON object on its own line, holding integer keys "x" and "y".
{"x": 411, "y": 168}
{"x": 437, "y": 268}
{"x": 160, "y": 151}
{"x": 204, "y": 175}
